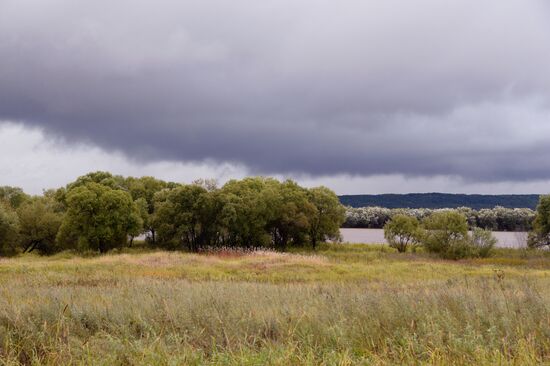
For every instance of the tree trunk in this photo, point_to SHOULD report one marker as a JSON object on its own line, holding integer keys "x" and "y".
{"x": 30, "y": 247}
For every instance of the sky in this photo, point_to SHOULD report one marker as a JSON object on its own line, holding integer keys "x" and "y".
{"x": 364, "y": 96}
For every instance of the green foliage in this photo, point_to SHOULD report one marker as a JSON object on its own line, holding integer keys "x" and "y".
{"x": 540, "y": 236}
{"x": 39, "y": 224}
{"x": 186, "y": 217}
{"x": 100, "y": 211}
{"x": 9, "y": 227}
{"x": 446, "y": 234}
{"x": 289, "y": 213}
{"x": 253, "y": 212}
{"x": 13, "y": 196}
{"x": 401, "y": 232}
{"x": 143, "y": 191}
{"x": 328, "y": 216}
{"x": 103, "y": 178}
{"x": 482, "y": 242}
{"x": 98, "y": 217}
{"x": 246, "y": 212}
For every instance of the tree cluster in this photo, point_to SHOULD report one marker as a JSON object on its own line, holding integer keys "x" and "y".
{"x": 100, "y": 212}
{"x": 444, "y": 233}
{"x": 496, "y": 219}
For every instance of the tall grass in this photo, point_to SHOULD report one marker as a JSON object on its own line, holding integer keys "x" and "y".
{"x": 67, "y": 310}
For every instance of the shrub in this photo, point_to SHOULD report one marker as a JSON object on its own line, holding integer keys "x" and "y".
{"x": 401, "y": 232}
{"x": 483, "y": 242}
{"x": 446, "y": 234}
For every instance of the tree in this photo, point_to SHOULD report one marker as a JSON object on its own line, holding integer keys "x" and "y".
{"x": 143, "y": 191}
{"x": 245, "y": 213}
{"x": 99, "y": 217}
{"x": 103, "y": 178}
{"x": 401, "y": 232}
{"x": 39, "y": 224}
{"x": 288, "y": 212}
{"x": 14, "y": 196}
{"x": 99, "y": 177}
{"x": 540, "y": 235}
{"x": 446, "y": 233}
{"x": 9, "y": 227}
{"x": 327, "y": 217}
{"x": 186, "y": 217}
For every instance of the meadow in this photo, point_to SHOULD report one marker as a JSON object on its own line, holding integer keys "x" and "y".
{"x": 340, "y": 305}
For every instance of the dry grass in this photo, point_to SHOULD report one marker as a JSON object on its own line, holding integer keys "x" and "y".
{"x": 344, "y": 305}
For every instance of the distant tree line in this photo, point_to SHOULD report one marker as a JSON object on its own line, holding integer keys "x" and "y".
{"x": 100, "y": 211}
{"x": 497, "y": 219}
{"x": 441, "y": 200}
{"x": 446, "y": 232}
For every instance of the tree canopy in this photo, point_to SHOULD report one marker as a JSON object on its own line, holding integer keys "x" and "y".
{"x": 98, "y": 217}
{"x": 100, "y": 211}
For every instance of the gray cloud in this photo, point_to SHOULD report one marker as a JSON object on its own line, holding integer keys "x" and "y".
{"x": 424, "y": 88}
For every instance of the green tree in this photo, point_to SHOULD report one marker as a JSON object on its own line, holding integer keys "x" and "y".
{"x": 186, "y": 217}
{"x": 288, "y": 211}
{"x": 99, "y": 177}
{"x": 14, "y": 196}
{"x": 103, "y": 178}
{"x": 327, "y": 217}
{"x": 143, "y": 191}
{"x": 246, "y": 212}
{"x": 39, "y": 224}
{"x": 401, "y": 232}
{"x": 9, "y": 227}
{"x": 540, "y": 235}
{"x": 446, "y": 233}
{"x": 99, "y": 217}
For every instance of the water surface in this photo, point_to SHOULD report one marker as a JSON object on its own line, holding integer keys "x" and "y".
{"x": 376, "y": 236}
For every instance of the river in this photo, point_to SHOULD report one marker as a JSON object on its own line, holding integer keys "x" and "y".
{"x": 376, "y": 236}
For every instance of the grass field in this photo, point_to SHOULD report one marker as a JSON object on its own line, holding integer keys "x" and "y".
{"x": 343, "y": 305}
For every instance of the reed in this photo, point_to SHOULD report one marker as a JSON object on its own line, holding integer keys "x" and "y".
{"x": 341, "y": 305}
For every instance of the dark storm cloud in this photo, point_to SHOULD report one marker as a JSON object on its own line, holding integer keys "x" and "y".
{"x": 318, "y": 87}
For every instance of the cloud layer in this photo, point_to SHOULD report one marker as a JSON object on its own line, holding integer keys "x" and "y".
{"x": 426, "y": 88}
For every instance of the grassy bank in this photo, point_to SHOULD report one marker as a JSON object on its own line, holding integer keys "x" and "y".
{"x": 351, "y": 304}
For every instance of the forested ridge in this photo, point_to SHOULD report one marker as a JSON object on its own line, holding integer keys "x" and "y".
{"x": 441, "y": 200}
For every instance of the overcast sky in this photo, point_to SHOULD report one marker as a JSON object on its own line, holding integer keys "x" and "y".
{"x": 363, "y": 96}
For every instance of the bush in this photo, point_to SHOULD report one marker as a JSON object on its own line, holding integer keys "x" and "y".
{"x": 446, "y": 234}
{"x": 401, "y": 232}
{"x": 483, "y": 242}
